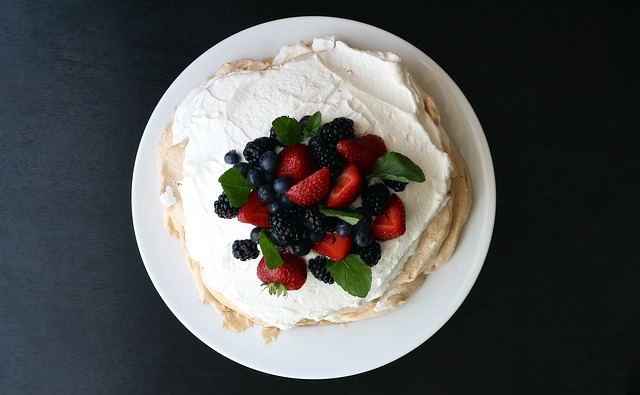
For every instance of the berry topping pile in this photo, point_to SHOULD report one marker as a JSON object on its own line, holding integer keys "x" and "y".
{"x": 319, "y": 189}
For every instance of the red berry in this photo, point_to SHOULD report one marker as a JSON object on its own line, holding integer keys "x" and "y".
{"x": 289, "y": 276}
{"x": 333, "y": 246}
{"x": 254, "y": 211}
{"x": 391, "y": 223}
{"x": 346, "y": 188}
{"x": 362, "y": 151}
{"x": 296, "y": 162}
{"x": 312, "y": 190}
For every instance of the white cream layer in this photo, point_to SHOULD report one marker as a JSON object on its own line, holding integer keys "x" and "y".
{"x": 375, "y": 90}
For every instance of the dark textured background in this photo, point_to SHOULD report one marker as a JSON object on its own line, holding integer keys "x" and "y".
{"x": 555, "y": 308}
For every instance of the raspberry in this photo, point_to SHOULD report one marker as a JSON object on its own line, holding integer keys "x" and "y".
{"x": 255, "y": 148}
{"x": 318, "y": 267}
{"x": 336, "y": 130}
{"x": 376, "y": 198}
{"x": 223, "y": 207}
{"x": 244, "y": 249}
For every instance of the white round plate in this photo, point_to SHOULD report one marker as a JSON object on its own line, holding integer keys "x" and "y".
{"x": 317, "y": 352}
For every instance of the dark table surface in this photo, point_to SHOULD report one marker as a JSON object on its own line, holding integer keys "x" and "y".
{"x": 554, "y": 310}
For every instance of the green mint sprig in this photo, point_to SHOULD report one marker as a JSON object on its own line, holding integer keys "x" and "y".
{"x": 272, "y": 257}
{"x": 289, "y": 130}
{"x": 397, "y": 167}
{"x": 346, "y": 216}
{"x": 235, "y": 186}
{"x": 352, "y": 274}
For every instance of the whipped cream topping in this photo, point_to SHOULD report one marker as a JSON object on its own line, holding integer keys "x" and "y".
{"x": 372, "y": 88}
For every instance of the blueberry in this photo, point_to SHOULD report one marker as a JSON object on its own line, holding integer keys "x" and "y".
{"x": 315, "y": 237}
{"x": 266, "y": 194}
{"x": 303, "y": 122}
{"x": 314, "y": 141}
{"x": 274, "y": 206}
{"x": 244, "y": 167}
{"x": 285, "y": 201}
{"x": 255, "y": 177}
{"x": 255, "y": 234}
{"x": 269, "y": 162}
{"x": 282, "y": 184}
{"x": 343, "y": 229}
{"x": 301, "y": 247}
{"x": 231, "y": 157}
{"x": 362, "y": 237}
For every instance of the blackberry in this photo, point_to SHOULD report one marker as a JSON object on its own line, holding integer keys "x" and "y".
{"x": 286, "y": 225}
{"x": 244, "y": 249}
{"x": 315, "y": 221}
{"x": 397, "y": 186}
{"x": 318, "y": 267}
{"x": 327, "y": 155}
{"x": 376, "y": 198}
{"x": 255, "y": 148}
{"x": 370, "y": 254}
{"x": 336, "y": 130}
{"x": 223, "y": 207}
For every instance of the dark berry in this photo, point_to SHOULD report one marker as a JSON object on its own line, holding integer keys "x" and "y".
{"x": 269, "y": 162}
{"x": 344, "y": 229}
{"x": 223, "y": 207}
{"x": 231, "y": 157}
{"x": 315, "y": 237}
{"x": 266, "y": 194}
{"x": 243, "y": 167}
{"x": 255, "y": 148}
{"x": 314, "y": 141}
{"x": 286, "y": 225}
{"x": 256, "y": 177}
{"x": 327, "y": 155}
{"x": 282, "y": 184}
{"x": 285, "y": 201}
{"x": 370, "y": 254}
{"x": 318, "y": 267}
{"x": 255, "y": 234}
{"x": 303, "y": 122}
{"x": 336, "y": 130}
{"x": 362, "y": 237}
{"x": 274, "y": 206}
{"x": 274, "y": 136}
{"x": 376, "y": 198}
{"x": 244, "y": 249}
{"x": 314, "y": 220}
{"x": 301, "y": 247}
{"x": 397, "y": 186}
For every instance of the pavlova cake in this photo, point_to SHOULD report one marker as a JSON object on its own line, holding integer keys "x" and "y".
{"x": 317, "y": 186}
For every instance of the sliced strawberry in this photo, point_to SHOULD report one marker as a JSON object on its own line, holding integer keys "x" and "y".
{"x": 362, "y": 151}
{"x": 346, "y": 188}
{"x": 289, "y": 276}
{"x": 254, "y": 211}
{"x": 333, "y": 246}
{"x": 296, "y": 162}
{"x": 312, "y": 190}
{"x": 391, "y": 223}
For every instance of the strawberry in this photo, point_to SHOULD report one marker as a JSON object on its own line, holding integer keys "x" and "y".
{"x": 362, "y": 151}
{"x": 391, "y": 223}
{"x": 346, "y": 188}
{"x": 333, "y": 246}
{"x": 296, "y": 162}
{"x": 289, "y": 276}
{"x": 311, "y": 190}
{"x": 254, "y": 211}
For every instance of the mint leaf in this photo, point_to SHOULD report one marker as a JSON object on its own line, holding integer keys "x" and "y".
{"x": 272, "y": 257}
{"x": 288, "y": 130}
{"x": 397, "y": 167}
{"x": 313, "y": 125}
{"x": 346, "y": 216}
{"x": 235, "y": 186}
{"x": 352, "y": 274}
